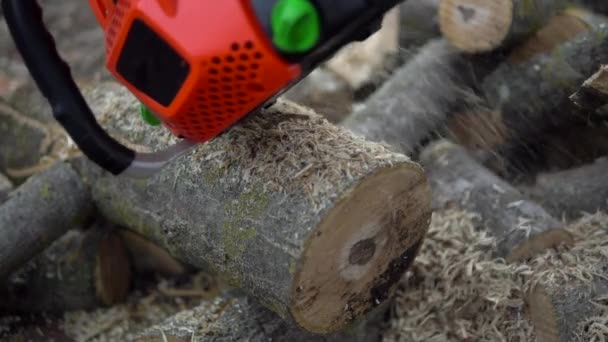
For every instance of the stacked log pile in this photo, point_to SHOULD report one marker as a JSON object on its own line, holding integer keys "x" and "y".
{"x": 315, "y": 212}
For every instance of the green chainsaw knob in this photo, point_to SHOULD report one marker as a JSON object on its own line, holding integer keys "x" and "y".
{"x": 148, "y": 116}
{"x": 296, "y": 25}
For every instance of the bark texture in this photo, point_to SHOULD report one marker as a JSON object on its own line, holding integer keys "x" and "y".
{"x": 314, "y": 222}
{"x": 82, "y": 270}
{"x": 521, "y": 227}
{"x": 530, "y": 98}
{"x": 560, "y": 310}
{"x": 234, "y": 317}
{"x": 574, "y": 191}
{"x": 39, "y": 212}
{"x": 418, "y": 99}
{"x": 479, "y": 26}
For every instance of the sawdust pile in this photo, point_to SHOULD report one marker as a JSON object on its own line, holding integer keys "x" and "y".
{"x": 458, "y": 291}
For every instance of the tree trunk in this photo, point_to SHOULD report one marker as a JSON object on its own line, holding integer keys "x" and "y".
{"x": 82, "y": 270}
{"x": 479, "y": 26}
{"x": 572, "y": 192}
{"x": 521, "y": 227}
{"x": 314, "y": 222}
{"x": 39, "y": 212}
{"x": 234, "y": 317}
{"x": 418, "y": 99}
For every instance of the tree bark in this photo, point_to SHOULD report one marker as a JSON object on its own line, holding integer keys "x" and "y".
{"x": 528, "y": 99}
{"x": 234, "y": 317}
{"x": 561, "y": 28}
{"x": 314, "y": 222}
{"x": 521, "y": 227}
{"x": 475, "y": 26}
{"x": 557, "y": 310}
{"x": 39, "y": 212}
{"x": 572, "y": 192}
{"x": 419, "y": 23}
{"x": 82, "y": 270}
{"x": 418, "y": 99}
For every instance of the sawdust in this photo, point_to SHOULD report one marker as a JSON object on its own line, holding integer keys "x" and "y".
{"x": 287, "y": 148}
{"x": 457, "y": 291}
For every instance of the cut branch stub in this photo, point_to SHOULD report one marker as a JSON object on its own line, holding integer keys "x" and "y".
{"x": 521, "y": 227}
{"x": 480, "y": 25}
{"x": 81, "y": 270}
{"x": 39, "y": 212}
{"x": 279, "y": 206}
{"x": 593, "y": 94}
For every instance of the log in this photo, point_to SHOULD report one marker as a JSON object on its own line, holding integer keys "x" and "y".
{"x": 418, "y": 99}
{"x": 38, "y": 212}
{"x": 521, "y": 227}
{"x": 530, "y": 98}
{"x": 314, "y": 222}
{"x": 558, "y": 310}
{"x": 561, "y": 28}
{"x": 419, "y": 23}
{"x": 6, "y": 186}
{"x": 566, "y": 298}
{"x": 233, "y": 317}
{"x": 475, "y": 26}
{"x": 593, "y": 94}
{"x": 575, "y": 191}
{"x": 82, "y": 270}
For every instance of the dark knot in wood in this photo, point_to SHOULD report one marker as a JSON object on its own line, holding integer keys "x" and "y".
{"x": 467, "y": 13}
{"x": 362, "y": 252}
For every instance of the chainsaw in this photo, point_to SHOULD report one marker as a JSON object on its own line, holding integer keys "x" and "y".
{"x": 196, "y": 66}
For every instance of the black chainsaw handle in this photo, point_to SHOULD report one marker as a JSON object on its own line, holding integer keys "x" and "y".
{"x": 54, "y": 78}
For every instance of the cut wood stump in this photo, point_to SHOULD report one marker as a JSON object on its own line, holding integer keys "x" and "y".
{"x": 521, "y": 227}
{"x": 39, "y": 212}
{"x": 575, "y": 191}
{"x": 475, "y": 26}
{"x": 314, "y": 222}
{"x": 81, "y": 270}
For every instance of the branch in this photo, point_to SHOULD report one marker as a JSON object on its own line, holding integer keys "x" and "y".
{"x": 521, "y": 227}
{"x": 39, "y": 212}
{"x": 82, "y": 270}
{"x": 418, "y": 99}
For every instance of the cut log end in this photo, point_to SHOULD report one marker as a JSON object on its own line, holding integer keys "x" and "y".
{"x": 370, "y": 238}
{"x": 112, "y": 270}
{"x": 543, "y": 316}
{"x": 475, "y": 25}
